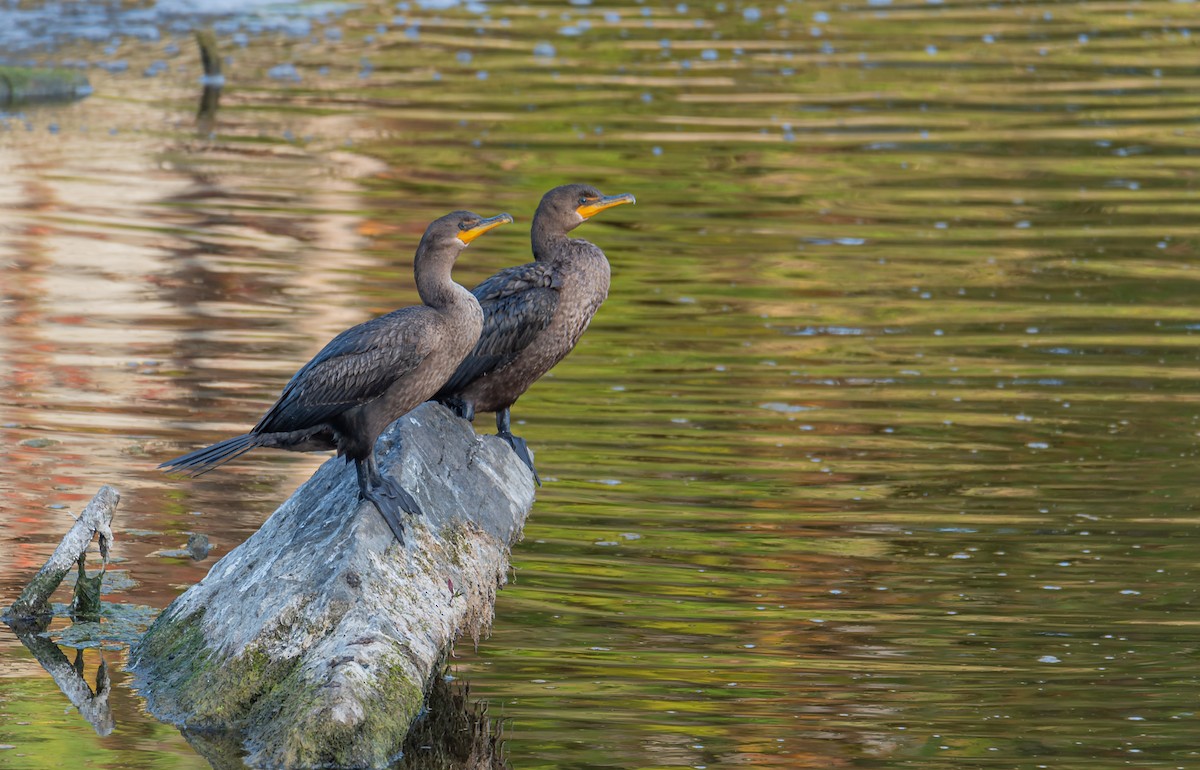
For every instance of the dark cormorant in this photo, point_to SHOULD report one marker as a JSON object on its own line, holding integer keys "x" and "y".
{"x": 373, "y": 373}
{"x": 534, "y": 314}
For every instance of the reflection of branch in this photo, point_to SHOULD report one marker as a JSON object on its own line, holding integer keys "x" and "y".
{"x": 96, "y": 517}
{"x": 210, "y": 100}
{"x": 92, "y": 706}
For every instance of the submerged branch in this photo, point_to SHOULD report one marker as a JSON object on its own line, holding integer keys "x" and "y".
{"x": 95, "y": 519}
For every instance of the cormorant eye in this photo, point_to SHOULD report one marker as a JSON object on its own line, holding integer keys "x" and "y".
{"x": 583, "y": 201}
{"x": 463, "y": 225}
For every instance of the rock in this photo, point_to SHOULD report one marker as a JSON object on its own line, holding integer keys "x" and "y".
{"x": 198, "y": 546}
{"x": 318, "y": 638}
{"x": 37, "y": 443}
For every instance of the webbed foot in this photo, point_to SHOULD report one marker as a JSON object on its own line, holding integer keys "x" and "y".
{"x": 389, "y": 498}
{"x": 522, "y": 449}
{"x": 504, "y": 431}
{"x": 388, "y": 506}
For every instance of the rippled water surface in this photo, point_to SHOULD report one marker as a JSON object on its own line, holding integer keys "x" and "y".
{"x": 882, "y": 452}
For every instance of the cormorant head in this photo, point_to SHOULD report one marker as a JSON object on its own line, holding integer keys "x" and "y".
{"x": 571, "y": 205}
{"x": 459, "y": 228}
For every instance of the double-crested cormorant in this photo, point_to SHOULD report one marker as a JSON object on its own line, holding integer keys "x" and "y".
{"x": 373, "y": 373}
{"x": 534, "y": 314}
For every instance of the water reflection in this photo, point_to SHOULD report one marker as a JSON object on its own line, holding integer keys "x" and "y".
{"x": 879, "y": 453}
{"x": 213, "y": 80}
{"x": 457, "y": 732}
{"x": 92, "y": 703}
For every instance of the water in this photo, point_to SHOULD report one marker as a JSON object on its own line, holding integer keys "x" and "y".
{"x": 880, "y": 453}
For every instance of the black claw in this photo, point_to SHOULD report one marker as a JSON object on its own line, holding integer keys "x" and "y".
{"x": 522, "y": 449}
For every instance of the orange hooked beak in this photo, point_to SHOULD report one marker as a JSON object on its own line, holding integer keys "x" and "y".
{"x": 466, "y": 236}
{"x": 593, "y": 207}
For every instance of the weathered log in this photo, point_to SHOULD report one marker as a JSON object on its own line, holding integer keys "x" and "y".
{"x": 319, "y": 636}
{"x": 34, "y": 601}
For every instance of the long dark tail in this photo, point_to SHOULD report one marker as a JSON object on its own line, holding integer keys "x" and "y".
{"x": 204, "y": 460}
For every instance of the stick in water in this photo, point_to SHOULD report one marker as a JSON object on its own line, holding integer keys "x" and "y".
{"x": 95, "y": 519}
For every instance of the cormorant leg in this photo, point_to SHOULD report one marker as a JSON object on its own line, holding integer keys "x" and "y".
{"x": 389, "y": 498}
{"x": 516, "y": 442}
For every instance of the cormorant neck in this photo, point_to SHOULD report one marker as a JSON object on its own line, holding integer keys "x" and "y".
{"x": 547, "y": 239}
{"x": 432, "y": 273}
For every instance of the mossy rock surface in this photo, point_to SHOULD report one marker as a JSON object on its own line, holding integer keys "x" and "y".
{"x": 316, "y": 640}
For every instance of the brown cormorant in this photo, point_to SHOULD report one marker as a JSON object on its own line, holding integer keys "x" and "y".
{"x": 534, "y": 314}
{"x": 373, "y": 373}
